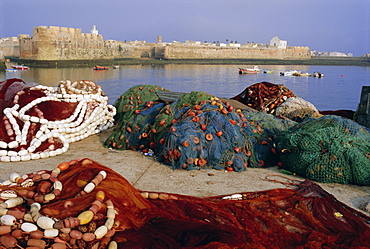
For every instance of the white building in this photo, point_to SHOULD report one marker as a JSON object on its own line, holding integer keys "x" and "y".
{"x": 276, "y": 42}
{"x": 94, "y": 31}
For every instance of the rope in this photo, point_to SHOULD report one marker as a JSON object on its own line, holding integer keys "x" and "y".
{"x": 289, "y": 181}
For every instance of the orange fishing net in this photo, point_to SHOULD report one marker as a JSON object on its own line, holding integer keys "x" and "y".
{"x": 124, "y": 217}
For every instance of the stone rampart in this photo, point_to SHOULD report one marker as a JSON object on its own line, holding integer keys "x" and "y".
{"x": 59, "y": 43}
{"x": 214, "y": 52}
{"x": 50, "y": 43}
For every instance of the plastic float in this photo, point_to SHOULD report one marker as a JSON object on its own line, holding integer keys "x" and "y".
{"x": 42, "y": 121}
{"x": 83, "y": 204}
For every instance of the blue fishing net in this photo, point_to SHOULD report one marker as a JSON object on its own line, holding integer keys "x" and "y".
{"x": 196, "y": 131}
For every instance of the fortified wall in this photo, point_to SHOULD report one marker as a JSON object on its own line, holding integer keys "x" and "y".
{"x": 50, "y": 43}
{"x": 60, "y": 43}
{"x": 214, "y": 52}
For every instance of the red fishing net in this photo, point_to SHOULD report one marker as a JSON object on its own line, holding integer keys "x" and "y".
{"x": 91, "y": 206}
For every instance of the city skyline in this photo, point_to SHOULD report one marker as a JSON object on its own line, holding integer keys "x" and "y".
{"x": 329, "y": 25}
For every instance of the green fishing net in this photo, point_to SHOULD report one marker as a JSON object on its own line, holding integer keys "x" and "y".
{"x": 128, "y": 105}
{"x": 330, "y": 149}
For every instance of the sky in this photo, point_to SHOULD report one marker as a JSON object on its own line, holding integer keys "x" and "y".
{"x": 322, "y": 25}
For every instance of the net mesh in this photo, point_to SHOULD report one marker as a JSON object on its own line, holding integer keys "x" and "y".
{"x": 264, "y": 96}
{"x": 328, "y": 149}
{"x": 198, "y": 131}
{"x": 304, "y": 216}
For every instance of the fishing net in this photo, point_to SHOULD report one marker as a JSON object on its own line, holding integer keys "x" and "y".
{"x": 206, "y": 137}
{"x": 83, "y": 204}
{"x": 328, "y": 149}
{"x": 264, "y": 129}
{"x": 41, "y": 121}
{"x": 264, "y": 96}
{"x": 198, "y": 131}
{"x": 137, "y": 99}
{"x": 297, "y": 109}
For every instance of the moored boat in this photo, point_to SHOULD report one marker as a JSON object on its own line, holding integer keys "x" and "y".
{"x": 301, "y": 74}
{"x": 11, "y": 70}
{"x": 253, "y": 70}
{"x": 100, "y": 68}
{"x": 289, "y": 73}
{"x": 318, "y": 75}
{"x": 20, "y": 67}
{"x": 115, "y": 66}
{"x": 268, "y": 71}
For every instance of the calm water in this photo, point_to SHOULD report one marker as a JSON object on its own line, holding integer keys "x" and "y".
{"x": 339, "y": 89}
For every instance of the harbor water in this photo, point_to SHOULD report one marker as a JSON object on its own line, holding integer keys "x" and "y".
{"x": 340, "y": 88}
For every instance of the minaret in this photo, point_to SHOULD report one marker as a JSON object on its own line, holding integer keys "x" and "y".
{"x": 159, "y": 39}
{"x": 94, "y": 30}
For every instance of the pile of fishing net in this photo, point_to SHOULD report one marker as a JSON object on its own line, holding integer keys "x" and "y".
{"x": 195, "y": 131}
{"x": 39, "y": 121}
{"x": 277, "y": 99}
{"x": 328, "y": 149}
{"x": 83, "y": 204}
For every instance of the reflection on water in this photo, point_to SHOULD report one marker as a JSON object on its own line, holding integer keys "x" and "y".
{"x": 339, "y": 89}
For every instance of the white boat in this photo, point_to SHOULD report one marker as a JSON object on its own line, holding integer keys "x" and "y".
{"x": 253, "y": 70}
{"x": 20, "y": 67}
{"x": 289, "y": 73}
{"x": 115, "y": 66}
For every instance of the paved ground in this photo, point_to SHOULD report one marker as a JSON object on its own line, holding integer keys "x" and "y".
{"x": 145, "y": 173}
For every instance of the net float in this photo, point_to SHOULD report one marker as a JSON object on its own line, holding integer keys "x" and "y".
{"x": 13, "y": 176}
{"x": 58, "y": 246}
{"x": 51, "y": 233}
{"x": 13, "y": 202}
{"x": 38, "y": 243}
{"x": 232, "y": 121}
{"x": 28, "y": 227}
{"x": 63, "y": 166}
{"x": 202, "y": 162}
{"x": 17, "y": 233}
{"x": 5, "y": 229}
{"x": 75, "y": 234}
{"x": 100, "y": 232}
{"x": 8, "y": 241}
{"x": 6, "y": 194}
{"x": 45, "y": 222}
{"x": 219, "y": 133}
{"x": 36, "y": 234}
{"x": 85, "y": 217}
{"x": 113, "y": 245}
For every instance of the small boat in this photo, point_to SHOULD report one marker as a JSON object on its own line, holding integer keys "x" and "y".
{"x": 289, "y": 73}
{"x": 11, "y": 70}
{"x": 268, "y": 71}
{"x": 115, "y": 66}
{"x": 20, "y": 67}
{"x": 100, "y": 68}
{"x": 253, "y": 70}
{"x": 299, "y": 74}
{"x": 318, "y": 75}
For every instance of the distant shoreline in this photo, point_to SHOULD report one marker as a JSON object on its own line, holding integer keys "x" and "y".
{"x": 330, "y": 61}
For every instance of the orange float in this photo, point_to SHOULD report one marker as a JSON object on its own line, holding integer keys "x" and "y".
{"x": 185, "y": 144}
{"x": 219, "y": 133}
{"x": 63, "y": 166}
{"x": 209, "y": 137}
{"x": 202, "y": 162}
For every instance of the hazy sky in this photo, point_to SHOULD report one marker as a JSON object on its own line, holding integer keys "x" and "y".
{"x": 322, "y": 25}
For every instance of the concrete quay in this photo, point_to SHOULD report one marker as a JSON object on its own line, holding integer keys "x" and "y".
{"x": 145, "y": 173}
